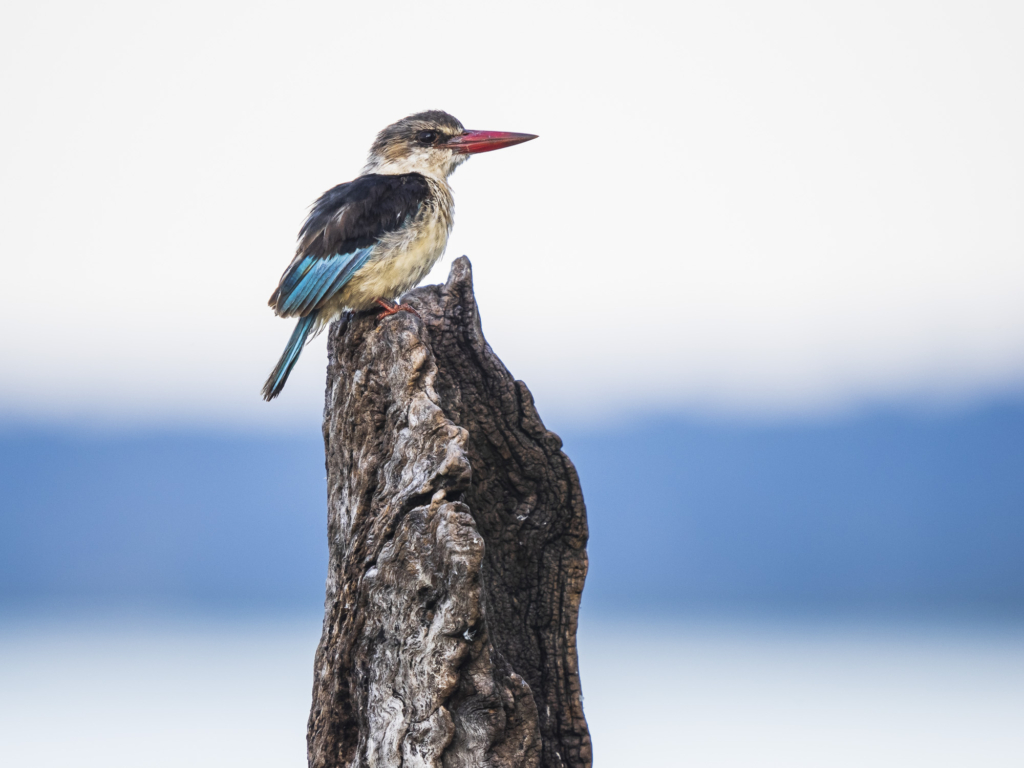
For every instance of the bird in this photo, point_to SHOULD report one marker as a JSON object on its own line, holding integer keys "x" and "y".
{"x": 367, "y": 241}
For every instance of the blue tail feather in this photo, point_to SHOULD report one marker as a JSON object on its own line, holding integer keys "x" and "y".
{"x": 284, "y": 366}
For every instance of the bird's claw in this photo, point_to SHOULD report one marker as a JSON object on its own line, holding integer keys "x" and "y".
{"x": 393, "y": 309}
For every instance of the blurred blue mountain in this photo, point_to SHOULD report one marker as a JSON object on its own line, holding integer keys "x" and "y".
{"x": 887, "y": 510}
{"x": 883, "y": 511}
{"x": 183, "y": 518}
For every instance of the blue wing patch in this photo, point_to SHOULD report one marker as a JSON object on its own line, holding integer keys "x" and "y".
{"x": 315, "y": 278}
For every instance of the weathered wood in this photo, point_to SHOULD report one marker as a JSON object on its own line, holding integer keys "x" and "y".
{"x": 457, "y": 536}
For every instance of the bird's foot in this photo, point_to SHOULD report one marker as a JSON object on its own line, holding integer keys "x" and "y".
{"x": 389, "y": 309}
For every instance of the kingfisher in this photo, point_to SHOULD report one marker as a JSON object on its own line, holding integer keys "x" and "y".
{"x": 369, "y": 240}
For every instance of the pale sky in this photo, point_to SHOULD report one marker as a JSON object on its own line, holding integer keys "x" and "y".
{"x": 753, "y": 208}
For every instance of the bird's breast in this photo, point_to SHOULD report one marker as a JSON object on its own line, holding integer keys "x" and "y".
{"x": 400, "y": 260}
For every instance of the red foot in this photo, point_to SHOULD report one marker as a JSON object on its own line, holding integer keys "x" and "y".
{"x": 394, "y": 309}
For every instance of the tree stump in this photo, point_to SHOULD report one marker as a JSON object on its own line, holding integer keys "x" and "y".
{"x": 457, "y": 535}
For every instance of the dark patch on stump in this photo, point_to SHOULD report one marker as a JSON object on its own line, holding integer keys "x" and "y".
{"x": 457, "y": 536}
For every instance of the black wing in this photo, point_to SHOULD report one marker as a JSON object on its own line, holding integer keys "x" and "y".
{"x": 339, "y": 233}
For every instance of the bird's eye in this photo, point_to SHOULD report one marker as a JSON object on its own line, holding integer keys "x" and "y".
{"x": 426, "y": 137}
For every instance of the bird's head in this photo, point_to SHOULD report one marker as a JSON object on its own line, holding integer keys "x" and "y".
{"x": 432, "y": 143}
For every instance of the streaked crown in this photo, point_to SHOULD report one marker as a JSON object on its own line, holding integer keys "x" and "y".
{"x": 416, "y": 144}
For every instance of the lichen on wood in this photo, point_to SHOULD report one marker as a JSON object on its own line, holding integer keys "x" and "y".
{"x": 457, "y": 535}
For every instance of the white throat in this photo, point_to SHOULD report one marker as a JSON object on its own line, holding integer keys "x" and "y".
{"x": 436, "y": 164}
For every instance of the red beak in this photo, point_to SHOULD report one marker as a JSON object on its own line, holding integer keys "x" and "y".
{"x": 474, "y": 142}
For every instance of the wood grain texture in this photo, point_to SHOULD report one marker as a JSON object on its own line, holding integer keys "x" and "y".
{"x": 457, "y": 535}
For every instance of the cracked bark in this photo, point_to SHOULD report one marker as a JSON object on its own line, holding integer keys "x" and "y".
{"x": 457, "y": 536}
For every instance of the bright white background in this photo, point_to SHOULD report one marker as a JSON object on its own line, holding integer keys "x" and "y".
{"x": 751, "y": 207}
